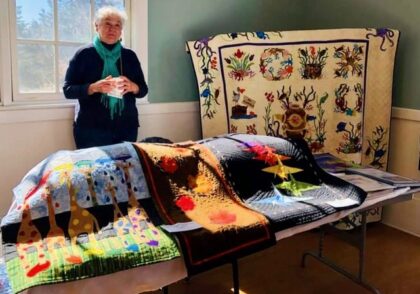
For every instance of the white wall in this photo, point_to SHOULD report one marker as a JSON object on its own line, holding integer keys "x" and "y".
{"x": 27, "y": 136}
{"x": 404, "y": 160}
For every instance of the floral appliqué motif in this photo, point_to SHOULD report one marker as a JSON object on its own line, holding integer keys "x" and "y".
{"x": 351, "y": 136}
{"x": 240, "y": 64}
{"x": 319, "y": 122}
{"x": 208, "y": 67}
{"x": 350, "y": 61}
{"x": 341, "y": 103}
{"x": 276, "y": 64}
{"x": 377, "y": 147}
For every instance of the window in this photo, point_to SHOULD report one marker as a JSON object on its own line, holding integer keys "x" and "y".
{"x": 44, "y": 35}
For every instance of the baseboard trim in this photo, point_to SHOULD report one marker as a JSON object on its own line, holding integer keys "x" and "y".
{"x": 401, "y": 229}
{"x": 406, "y": 114}
{"x": 65, "y": 111}
{"x": 164, "y": 108}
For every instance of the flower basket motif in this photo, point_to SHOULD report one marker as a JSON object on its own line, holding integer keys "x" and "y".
{"x": 240, "y": 64}
{"x": 312, "y": 62}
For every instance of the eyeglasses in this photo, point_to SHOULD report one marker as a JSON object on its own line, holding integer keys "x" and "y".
{"x": 109, "y": 26}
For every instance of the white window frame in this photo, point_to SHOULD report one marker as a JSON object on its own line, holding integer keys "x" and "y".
{"x": 136, "y": 36}
{"x": 5, "y": 55}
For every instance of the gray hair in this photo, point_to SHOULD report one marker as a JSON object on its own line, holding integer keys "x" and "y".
{"x": 108, "y": 11}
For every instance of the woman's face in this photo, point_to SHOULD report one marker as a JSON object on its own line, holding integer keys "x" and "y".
{"x": 109, "y": 29}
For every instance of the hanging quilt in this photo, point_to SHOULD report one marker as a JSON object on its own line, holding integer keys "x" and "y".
{"x": 77, "y": 215}
{"x": 280, "y": 179}
{"x": 188, "y": 185}
{"x": 333, "y": 88}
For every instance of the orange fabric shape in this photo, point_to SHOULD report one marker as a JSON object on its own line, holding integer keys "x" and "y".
{"x": 222, "y": 217}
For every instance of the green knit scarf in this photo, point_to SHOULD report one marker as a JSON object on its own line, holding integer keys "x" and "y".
{"x": 110, "y": 58}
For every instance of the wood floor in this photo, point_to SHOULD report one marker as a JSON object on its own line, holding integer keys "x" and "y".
{"x": 392, "y": 265}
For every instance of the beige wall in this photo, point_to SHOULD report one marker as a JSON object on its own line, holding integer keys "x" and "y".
{"x": 404, "y": 160}
{"x": 27, "y": 136}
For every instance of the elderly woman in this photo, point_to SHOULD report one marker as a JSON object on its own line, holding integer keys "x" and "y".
{"x": 106, "y": 78}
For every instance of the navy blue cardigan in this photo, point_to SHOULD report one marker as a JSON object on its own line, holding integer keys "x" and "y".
{"x": 86, "y": 68}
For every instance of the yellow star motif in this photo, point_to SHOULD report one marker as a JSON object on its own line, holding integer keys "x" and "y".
{"x": 282, "y": 170}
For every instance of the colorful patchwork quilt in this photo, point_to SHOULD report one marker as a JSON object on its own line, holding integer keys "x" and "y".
{"x": 77, "y": 215}
{"x": 187, "y": 184}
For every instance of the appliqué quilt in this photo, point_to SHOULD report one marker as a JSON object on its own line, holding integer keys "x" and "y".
{"x": 280, "y": 179}
{"x": 77, "y": 215}
{"x": 187, "y": 184}
{"x": 331, "y": 87}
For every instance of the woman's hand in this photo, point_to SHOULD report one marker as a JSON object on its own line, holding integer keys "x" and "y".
{"x": 102, "y": 86}
{"x": 125, "y": 85}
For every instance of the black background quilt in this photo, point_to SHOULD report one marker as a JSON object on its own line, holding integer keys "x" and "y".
{"x": 243, "y": 164}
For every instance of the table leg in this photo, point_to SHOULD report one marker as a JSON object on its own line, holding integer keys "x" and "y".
{"x": 359, "y": 243}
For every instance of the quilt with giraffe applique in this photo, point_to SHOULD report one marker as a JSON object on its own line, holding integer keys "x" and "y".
{"x": 78, "y": 214}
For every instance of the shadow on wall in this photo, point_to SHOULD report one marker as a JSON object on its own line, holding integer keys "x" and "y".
{"x": 171, "y": 75}
{"x": 401, "y": 15}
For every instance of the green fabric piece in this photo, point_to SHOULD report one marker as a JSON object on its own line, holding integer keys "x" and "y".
{"x": 99, "y": 258}
{"x": 296, "y": 187}
{"x": 110, "y": 58}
